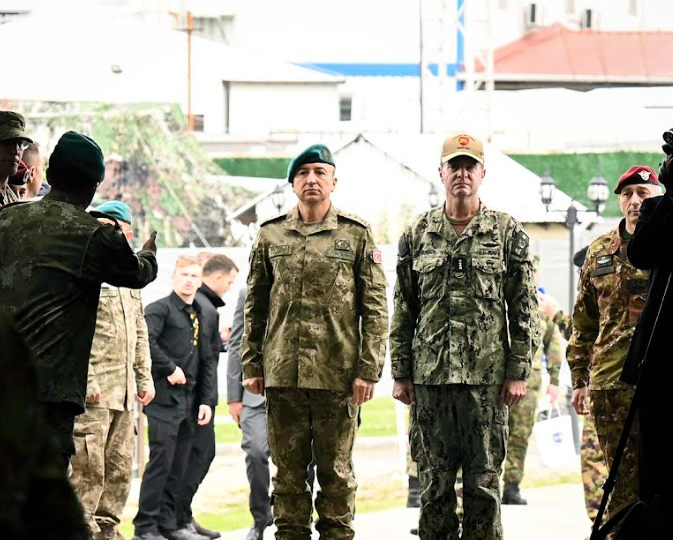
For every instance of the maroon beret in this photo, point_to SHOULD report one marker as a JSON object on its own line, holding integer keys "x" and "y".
{"x": 638, "y": 174}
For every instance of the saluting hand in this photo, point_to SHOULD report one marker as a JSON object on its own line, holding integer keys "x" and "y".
{"x": 151, "y": 242}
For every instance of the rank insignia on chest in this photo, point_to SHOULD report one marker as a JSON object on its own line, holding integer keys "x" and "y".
{"x": 605, "y": 264}
{"x": 343, "y": 245}
{"x": 459, "y": 264}
{"x": 376, "y": 256}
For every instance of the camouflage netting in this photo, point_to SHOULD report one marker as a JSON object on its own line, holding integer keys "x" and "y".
{"x": 154, "y": 164}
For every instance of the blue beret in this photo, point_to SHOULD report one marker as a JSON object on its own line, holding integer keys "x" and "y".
{"x": 318, "y": 153}
{"x": 78, "y": 155}
{"x": 116, "y": 209}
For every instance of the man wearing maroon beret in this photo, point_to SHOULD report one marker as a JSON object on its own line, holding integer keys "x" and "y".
{"x": 610, "y": 299}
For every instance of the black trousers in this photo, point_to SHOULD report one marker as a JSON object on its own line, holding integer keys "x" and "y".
{"x": 60, "y": 417}
{"x": 171, "y": 434}
{"x": 201, "y": 456}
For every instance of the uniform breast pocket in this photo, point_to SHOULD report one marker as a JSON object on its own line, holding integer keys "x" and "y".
{"x": 339, "y": 276}
{"x": 280, "y": 257}
{"x": 486, "y": 277}
{"x": 431, "y": 272}
{"x": 108, "y": 307}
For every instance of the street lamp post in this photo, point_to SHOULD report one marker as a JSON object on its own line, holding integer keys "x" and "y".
{"x": 278, "y": 198}
{"x": 597, "y": 192}
{"x": 433, "y": 196}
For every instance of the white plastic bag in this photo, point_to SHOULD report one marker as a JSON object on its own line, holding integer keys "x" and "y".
{"x": 554, "y": 438}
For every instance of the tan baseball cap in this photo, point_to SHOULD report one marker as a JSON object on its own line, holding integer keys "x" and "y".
{"x": 462, "y": 144}
{"x": 12, "y": 126}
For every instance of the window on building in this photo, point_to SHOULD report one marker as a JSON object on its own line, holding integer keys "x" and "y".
{"x": 345, "y": 108}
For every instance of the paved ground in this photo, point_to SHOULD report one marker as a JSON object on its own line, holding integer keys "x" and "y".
{"x": 553, "y": 513}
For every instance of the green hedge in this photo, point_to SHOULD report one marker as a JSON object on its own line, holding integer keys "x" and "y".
{"x": 257, "y": 167}
{"x": 573, "y": 172}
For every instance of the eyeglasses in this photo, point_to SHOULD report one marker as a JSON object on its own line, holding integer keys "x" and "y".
{"x": 20, "y": 144}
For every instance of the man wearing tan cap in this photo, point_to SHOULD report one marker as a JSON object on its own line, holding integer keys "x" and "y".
{"x": 464, "y": 331}
{"x": 13, "y": 141}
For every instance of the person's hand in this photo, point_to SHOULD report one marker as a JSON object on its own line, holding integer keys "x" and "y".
{"x": 552, "y": 392}
{"x": 548, "y": 304}
{"x": 225, "y": 334}
{"x": 145, "y": 397}
{"x": 254, "y": 385}
{"x": 235, "y": 410}
{"x": 403, "y": 390}
{"x": 580, "y": 400}
{"x": 513, "y": 391}
{"x": 205, "y": 414}
{"x": 363, "y": 390}
{"x": 177, "y": 377}
{"x": 151, "y": 242}
{"x": 94, "y": 398}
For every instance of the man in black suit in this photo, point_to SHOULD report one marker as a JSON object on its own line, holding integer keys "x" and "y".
{"x": 184, "y": 373}
{"x": 649, "y": 364}
{"x": 219, "y": 272}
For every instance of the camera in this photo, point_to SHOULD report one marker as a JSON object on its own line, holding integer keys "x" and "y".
{"x": 668, "y": 137}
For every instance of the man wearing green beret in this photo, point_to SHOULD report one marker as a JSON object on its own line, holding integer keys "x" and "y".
{"x": 314, "y": 341}
{"x": 13, "y": 141}
{"x": 119, "y": 371}
{"x": 54, "y": 256}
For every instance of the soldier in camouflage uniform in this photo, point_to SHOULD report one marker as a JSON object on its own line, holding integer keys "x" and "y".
{"x": 522, "y": 417}
{"x": 13, "y": 141}
{"x": 463, "y": 335}
{"x": 610, "y": 299}
{"x": 54, "y": 256}
{"x": 315, "y": 339}
{"x": 105, "y": 433}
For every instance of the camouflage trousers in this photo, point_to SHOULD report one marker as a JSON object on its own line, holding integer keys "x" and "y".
{"x": 461, "y": 425}
{"x": 594, "y": 471}
{"x": 609, "y": 409}
{"x": 298, "y": 420}
{"x": 521, "y": 421}
{"x": 103, "y": 464}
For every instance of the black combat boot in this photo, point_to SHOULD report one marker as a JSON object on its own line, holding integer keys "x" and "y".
{"x": 414, "y": 497}
{"x": 511, "y": 495}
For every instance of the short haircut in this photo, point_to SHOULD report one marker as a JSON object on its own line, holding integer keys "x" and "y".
{"x": 219, "y": 263}
{"x": 31, "y": 153}
{"x": 186, "y": 260}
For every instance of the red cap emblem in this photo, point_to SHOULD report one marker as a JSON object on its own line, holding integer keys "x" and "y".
{"x": 463, "y": 140}
{"x": 376, "y": 256}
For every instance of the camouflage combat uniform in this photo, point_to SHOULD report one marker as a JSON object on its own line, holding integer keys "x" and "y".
{"x": 611, "y": 297}
{"x": 315, "y": 319}
{"x": 594, "y": 470}
{"x": 522, "y": 416}
{"x": 450, "y": 336}
{"x": 7, "y": 196}
{"x": 104, "y": 434}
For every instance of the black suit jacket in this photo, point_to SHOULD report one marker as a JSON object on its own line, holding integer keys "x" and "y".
{"x": 651, "y": 248}
{"x": 170, "y": 331}
{"x": 209, "y": 302}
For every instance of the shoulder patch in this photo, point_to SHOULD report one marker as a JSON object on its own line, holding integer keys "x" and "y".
{"x": 520, "y": 246}
{"x": 353, "y": 218}
{"x": 272, "y": 219}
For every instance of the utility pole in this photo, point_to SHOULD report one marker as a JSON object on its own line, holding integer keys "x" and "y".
{"x": 189, "y": 28}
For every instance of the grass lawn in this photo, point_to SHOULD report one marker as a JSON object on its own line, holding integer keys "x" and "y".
{"x": 378, "y": 420}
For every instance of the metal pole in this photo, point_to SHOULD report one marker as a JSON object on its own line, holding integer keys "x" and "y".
{"x": 190, "y": 28}
{"x": 571, "y": 221}
{"x": 420, "y": 61}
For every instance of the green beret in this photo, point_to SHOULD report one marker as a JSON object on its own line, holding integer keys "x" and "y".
{"x": 318, "y": 153}
{"x": 116, "y": 209}
{"x": 78, "y": 155}
{"x": 12, "y": 126}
